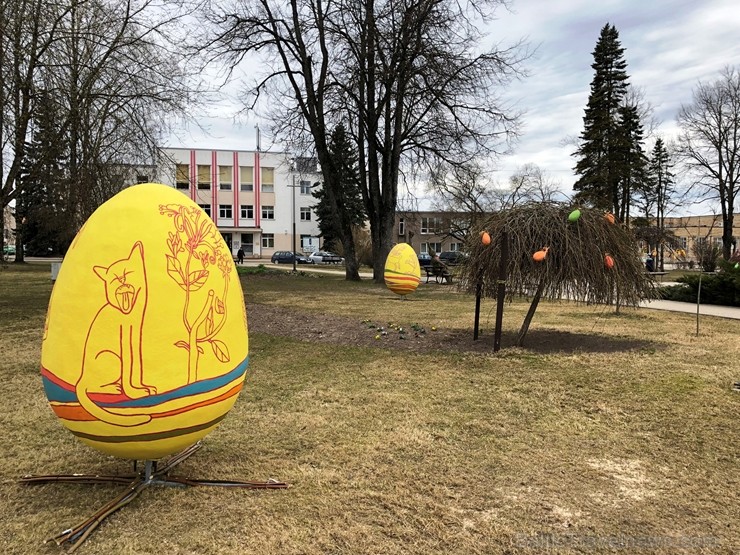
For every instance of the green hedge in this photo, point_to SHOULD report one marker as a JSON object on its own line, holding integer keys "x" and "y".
{"x": 722, "y": 288}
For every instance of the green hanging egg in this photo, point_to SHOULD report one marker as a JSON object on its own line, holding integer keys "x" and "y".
{"x": 573, "y": 216}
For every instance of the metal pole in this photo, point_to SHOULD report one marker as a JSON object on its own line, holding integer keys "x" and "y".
{"x": 293, "y": 214}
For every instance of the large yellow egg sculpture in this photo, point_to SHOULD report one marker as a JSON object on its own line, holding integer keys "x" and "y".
{"x": 145, "y": 343}
{"x": 402, "y": 273}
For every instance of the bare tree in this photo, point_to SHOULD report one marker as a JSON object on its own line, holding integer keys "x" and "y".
{"x": 467, "y": 192}
{"x": 400, "y": 75}
{"x": 709, "y": 144}
{"x": 298, "y": 79}
{"x": 530, "y": 184}
{"x": 27, "y": 31}
{"x": 115, "y": 80}
{"x": 119, "y": 82}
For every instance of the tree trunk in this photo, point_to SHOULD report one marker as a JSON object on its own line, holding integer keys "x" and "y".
{"x": 384, "y": 245}
{"x": 351, "y": 266}
{"x": 501, "y": 291}
{"x": 530, "y": 313}
{"x": 727, "y": 235}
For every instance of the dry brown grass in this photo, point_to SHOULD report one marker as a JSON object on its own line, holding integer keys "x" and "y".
{"x": 403, "y": 452}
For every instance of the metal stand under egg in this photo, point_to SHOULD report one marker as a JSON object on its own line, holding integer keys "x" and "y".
{"x": 151, "y": 475}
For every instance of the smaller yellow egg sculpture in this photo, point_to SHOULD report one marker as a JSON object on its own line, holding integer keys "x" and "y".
{"x": 402, "y": 272}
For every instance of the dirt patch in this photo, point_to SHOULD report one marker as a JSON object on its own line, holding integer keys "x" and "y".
{"x": 341, "y": 330}
{"x": 628, "y": 475}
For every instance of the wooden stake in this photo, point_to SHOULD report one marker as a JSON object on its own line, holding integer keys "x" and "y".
{"x": 501, "y": 291}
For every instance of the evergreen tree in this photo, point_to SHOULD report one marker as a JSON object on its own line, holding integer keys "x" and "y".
{"x": 43, "y": 226}
{"x": 654, "y": 197}
{"x": 630, "y": 160}
{"x": 660, "y": 179}
{"x": 598, "y": 156}
{"x": 349, "y": 196}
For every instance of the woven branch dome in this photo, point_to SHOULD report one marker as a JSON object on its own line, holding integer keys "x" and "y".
{"x": 574, "y": 267}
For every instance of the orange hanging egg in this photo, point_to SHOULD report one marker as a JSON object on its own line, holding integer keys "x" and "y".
{"x": 610, "y": 218}
{"x": 540, "y": 255}
{"x": 609, "y": 262}
{"x": 485, "y": 238}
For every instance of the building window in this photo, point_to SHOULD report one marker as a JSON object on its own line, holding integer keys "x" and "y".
{"x": 268, "y": 180}
{"x": 247, "y": 212}
{"x": 684, "y": 242}
{"x": 206, "y": 208}
{"x": 401, "y": 226}
{"x": 305, "y": 187}
{"x": 247, "y": 243}
{"x": 204, "y": 177}
{"x": 224, "y": 211}
{"x": 456, "y": 247}
{"x": 431, "y": 248}
{"x": 268, "y": 212}
{"x": 305, "y": 214}
{"x": 268, "y": 240}
{"x": 182, "y": 179}
{"x": 142, "y": 179}
{"x": 246, "y": 178}
{"x": 431, "y": 226}
{"x": 224, "y": 178}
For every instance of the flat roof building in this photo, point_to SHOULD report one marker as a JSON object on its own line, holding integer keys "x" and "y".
{"x": 255, "y": 198}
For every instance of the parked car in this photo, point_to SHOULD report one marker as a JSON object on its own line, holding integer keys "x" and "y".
{"x": 451, "y": 257}
{"x": 286, "y": 257}
{"x": 425, "y": 259}
{"x": 325, "y": 257}
{"x": 9, "y": 250}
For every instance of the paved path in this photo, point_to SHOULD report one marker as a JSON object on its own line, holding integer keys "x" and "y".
{"x": 704, "y": 310}
{"x": 673, "y": 306}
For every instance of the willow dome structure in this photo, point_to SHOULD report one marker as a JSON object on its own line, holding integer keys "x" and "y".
{"x": 582, "y": 254}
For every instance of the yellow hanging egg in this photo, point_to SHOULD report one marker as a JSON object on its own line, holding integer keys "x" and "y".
{"x": 402, "y": 273}
{"x": 145, "y": 343}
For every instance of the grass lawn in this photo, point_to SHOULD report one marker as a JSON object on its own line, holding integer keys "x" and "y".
{"x": 633, "y": 447}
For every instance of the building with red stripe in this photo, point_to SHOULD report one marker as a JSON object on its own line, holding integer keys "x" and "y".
{"x": 253, "y": 197}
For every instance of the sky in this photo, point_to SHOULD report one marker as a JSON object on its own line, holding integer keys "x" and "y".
{"x": 670, "y": 45}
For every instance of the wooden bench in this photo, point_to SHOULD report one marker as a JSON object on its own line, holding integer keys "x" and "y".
{"x": 440, "y": 275}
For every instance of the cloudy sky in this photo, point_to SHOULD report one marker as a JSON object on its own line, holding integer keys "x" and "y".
{"x": 670, "y": 45}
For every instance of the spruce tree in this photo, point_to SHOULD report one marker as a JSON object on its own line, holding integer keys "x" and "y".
{"x": 349, "y": 196}
{"x": 43, "y": 225}
{"x": 662, "y": 184}
{"x": 598, "y": 156}
{"x": 630, "y": 160}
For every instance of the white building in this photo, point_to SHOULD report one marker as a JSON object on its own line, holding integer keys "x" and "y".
{"x": 255, "y": 198}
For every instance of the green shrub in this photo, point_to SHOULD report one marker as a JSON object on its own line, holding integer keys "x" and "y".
{"x": 722, "y": 288}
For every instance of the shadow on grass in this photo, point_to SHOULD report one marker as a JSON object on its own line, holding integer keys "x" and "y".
{"x": 544, "y": 341}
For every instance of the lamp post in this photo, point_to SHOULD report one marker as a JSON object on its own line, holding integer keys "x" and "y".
{"x": 292, "y": 205}
{"x": 293, "y": 217}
